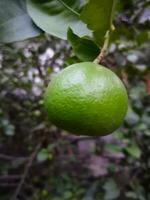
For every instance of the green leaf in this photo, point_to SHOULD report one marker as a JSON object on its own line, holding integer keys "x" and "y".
{"x": 42, "y": 155}
{"x": 143, "y": 37}
{"x": 71, "y": 60}
{"x": 131, "y": 195}
{"x": 55, "y": 16}
{"x": 113, "y": 148}
{"x": 132, "y": 118}
{"x": 134, "y": 150}
{"x": 84, "y": 48}
{"x": 146, "y": 117}
{"x": 98, "y": 14}
{"x": 111, "y": 190}
{"x": 15, "y": 23}
{"x": 67, "y": 195}
{"x": 10, "y": 130}
{"x": 138, "y": 91}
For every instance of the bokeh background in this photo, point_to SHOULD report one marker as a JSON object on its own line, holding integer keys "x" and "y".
{"x": 38, "y": 161}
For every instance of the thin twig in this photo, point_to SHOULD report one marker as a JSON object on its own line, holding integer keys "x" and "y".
{"x": 27, "y": 168}
{"x": 10, "y": 158}
{"x": 6, "y": 157}
{"x": 10, "y": 177}
{"x": 8, "y": 185}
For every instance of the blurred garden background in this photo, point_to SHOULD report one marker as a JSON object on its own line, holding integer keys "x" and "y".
{"x": 38, "y": 161}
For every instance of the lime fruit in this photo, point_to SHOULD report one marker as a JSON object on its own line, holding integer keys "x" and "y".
{"x": 86, "y": 99}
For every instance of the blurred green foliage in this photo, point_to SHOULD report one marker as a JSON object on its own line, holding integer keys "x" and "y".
{"x": 66, "y": 167}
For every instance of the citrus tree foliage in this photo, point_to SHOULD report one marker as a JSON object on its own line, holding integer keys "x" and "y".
{"x": 90, "y": 19}
{"x": 55, "y": 17}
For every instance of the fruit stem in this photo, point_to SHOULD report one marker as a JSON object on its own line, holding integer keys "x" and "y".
{"x": 100, "y": 57}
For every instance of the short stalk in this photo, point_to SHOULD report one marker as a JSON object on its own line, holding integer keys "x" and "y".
{"x": 100, "y": 57}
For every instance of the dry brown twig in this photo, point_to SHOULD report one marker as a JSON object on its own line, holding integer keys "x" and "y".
{"x": 26, "y": 170}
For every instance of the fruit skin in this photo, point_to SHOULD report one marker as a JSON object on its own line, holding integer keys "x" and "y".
{"x": 86, "y": 99}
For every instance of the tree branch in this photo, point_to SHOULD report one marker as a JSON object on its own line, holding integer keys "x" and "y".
{"x": 26, "y": 170}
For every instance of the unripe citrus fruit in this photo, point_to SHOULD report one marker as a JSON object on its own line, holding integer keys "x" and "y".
{"x": 86, "y": 99}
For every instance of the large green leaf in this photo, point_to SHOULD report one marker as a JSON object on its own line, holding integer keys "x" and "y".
{"x": 98, "y": 14}
{"x": 84, "y": 48}
{"x": 55, "y": 16}
{"x": 15, "y": 23}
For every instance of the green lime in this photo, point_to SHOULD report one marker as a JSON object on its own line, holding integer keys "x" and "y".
{"x": 86, "y": 99}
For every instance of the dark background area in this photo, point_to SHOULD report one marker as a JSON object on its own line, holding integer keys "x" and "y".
{"x": 37, "y": 160}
